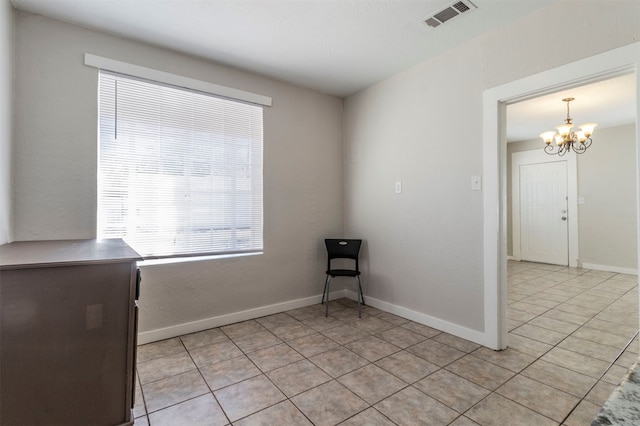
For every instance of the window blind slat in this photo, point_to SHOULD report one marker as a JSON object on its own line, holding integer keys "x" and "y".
{"x": 180, "y": 172}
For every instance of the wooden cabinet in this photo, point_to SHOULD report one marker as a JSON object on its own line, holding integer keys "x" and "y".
{"x": 68, "y": 324}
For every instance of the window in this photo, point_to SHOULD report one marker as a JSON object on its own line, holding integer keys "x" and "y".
{"x": 179, "y": 170}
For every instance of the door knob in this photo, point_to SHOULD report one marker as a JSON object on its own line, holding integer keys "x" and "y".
{"x": 563, "y": 218}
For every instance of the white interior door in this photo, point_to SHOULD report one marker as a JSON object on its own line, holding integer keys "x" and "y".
{"x": 536, "y": 229}
{"x": 543, "y": 213}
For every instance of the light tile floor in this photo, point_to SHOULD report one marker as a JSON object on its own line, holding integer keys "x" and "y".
{"x": 567, "y": 326}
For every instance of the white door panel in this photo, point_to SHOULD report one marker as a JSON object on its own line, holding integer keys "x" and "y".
{"x": 537, "y": 157}
{"x": 543, "y": 213}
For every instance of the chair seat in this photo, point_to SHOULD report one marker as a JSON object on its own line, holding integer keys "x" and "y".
{"x": 342, "y": 272}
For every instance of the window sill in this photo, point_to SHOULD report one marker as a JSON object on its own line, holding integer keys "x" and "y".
{"x": 168, "y": 260}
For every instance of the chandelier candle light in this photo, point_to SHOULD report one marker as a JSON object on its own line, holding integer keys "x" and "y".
{"x": 566, "y": 139}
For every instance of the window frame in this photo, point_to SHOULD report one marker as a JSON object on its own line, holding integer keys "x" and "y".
{"x": 185, "y": 83}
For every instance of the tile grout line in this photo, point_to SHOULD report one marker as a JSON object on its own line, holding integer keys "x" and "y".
{"x": 602, "y": 375}
{"x": 598, "y": 380}
{"x": 375, "y": 334}
{"x": 205, "y": 380}
{"x": 369, "y": 334}
{"x": 585, "y": 324}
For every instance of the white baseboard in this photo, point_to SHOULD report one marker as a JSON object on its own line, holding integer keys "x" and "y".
{"x": 437, "y": 323}
{"x": 609, "y": 268}
{"x": 219, "y": 321}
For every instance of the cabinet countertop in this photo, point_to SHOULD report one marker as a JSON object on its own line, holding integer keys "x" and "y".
{"x": 35, "y": 254}
{"x": 623, "y": 405}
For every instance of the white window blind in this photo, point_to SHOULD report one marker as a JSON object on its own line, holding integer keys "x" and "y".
{"x": 179, "y": 171}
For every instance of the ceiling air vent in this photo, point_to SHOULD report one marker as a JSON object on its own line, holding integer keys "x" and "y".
{"x": 451, "y": 11}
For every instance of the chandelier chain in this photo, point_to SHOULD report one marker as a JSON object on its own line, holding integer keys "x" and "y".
{"x": 568, "y": 101}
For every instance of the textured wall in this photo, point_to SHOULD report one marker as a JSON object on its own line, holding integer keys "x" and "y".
{"x": 607, "y": 180}
{"x": 55, "y": 172}
{"x": 424, "y": 127}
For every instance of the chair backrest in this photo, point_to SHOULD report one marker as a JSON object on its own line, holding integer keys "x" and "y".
{"x": 342, "y": 249}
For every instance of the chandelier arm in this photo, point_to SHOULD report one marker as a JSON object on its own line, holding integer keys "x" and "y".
{"x": 549, "y": 150}
{"x": 563, "y": 149}
{"x": 578, "y": 148}
{"x": 581, "y": 148}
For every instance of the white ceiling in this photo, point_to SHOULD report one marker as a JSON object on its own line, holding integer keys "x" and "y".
{"x": 609, "y": 103}
{"x": 334, "y": 46}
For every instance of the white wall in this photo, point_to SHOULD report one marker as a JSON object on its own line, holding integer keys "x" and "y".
{"x": 607, "y": 219}
{"x": 6, "y": 117}
{"x": 55, "y": 174}
{"x": 607, "y": 230}
{"x": 424, "y": 127}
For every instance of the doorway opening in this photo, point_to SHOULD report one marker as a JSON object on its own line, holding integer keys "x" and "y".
{"x": 600, "y": 67}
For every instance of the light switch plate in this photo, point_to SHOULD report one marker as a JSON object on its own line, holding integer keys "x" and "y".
{"x": 398, "y": 187}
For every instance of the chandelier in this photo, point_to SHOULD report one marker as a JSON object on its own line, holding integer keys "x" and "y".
{"x": 566, "y": 139}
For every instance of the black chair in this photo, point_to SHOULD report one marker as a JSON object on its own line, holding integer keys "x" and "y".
{"x": 342, "y": 249}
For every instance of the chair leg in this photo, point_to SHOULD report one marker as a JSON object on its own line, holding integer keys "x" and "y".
{"x": 326, "y": 309}
{"x": 326, "y": 283}
{"x": 360, "y": 297}
{"x": 360, "y": 288}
